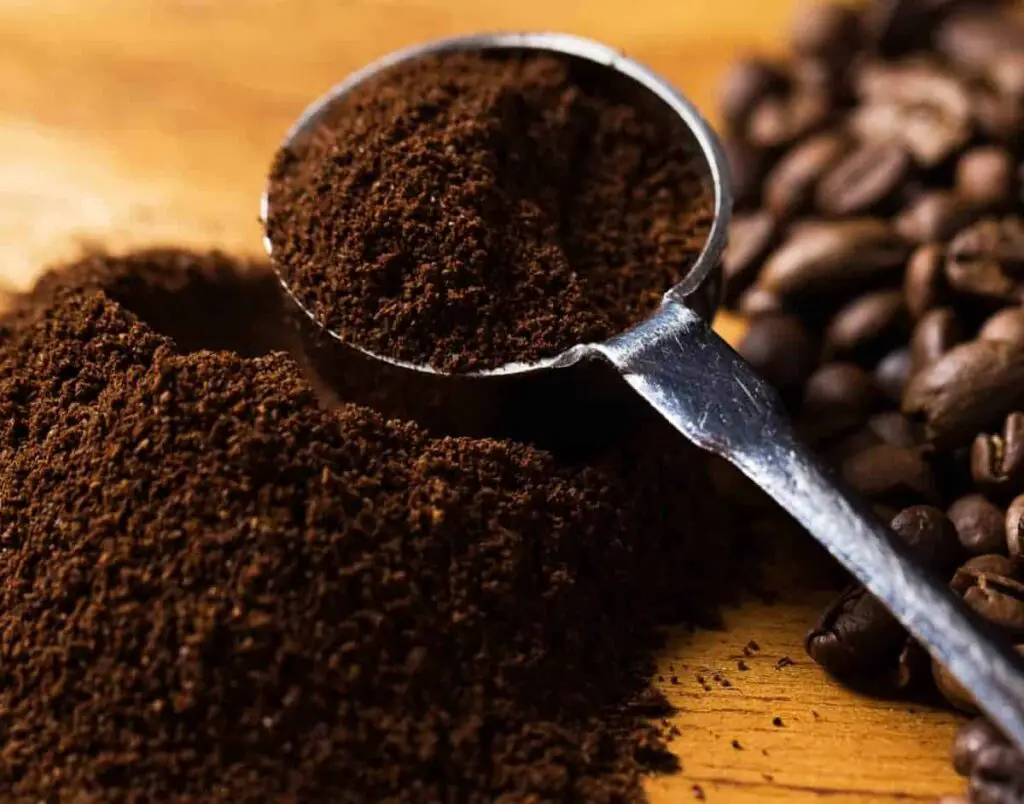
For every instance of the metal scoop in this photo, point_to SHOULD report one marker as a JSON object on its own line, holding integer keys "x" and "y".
{"x": 676, "y": 362}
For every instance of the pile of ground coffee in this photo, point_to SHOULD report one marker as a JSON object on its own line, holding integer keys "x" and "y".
{"x": 467, "y": 211}
{"x": 878, "y": 252}
{"x": 212, "y": 589}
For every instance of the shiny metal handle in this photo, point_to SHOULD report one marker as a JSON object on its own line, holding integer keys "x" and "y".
{"x": 697, "y": 382}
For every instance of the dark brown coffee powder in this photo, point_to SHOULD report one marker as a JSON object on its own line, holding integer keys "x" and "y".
{"x": 468, "y": 211}
{"x": 212, "y": 589}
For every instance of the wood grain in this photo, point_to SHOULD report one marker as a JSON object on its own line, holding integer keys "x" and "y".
{"x": 135, "y": 122}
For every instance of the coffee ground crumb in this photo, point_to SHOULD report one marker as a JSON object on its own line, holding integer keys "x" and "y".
{"x": 213, "y": 589}
{"x": 466, "y": 211}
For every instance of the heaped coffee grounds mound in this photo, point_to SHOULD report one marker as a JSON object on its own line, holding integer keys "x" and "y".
{"x": 467, "y": 211}
{"x": 212, "y": 589}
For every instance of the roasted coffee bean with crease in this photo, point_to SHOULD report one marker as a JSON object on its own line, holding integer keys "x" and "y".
{"x": 966, "y": 391}
{"x": 999, "y": 600}
{"x": 930, "y": 535}
{"x": 997, "y": 460}
{"x": 751, "y": 237}
{"x": 781, "y": 351}
{"x": 987, "y": 175}
{"x": 748, "y": 166}
{"x": 1015, "y": 528}
{"x": 980, "y": 525}
{"x": 839, "y": 397}
{"x": 790, "y": 186}
{"x": 856, "y": 636}
{"x": 987, "y": 260}
{"x": 916, "y": 103}
{"x": 829, "y": 257}
{"x": 778, "y": 121}
{"x": 936, "y": 216}
{"x": 997, "y": 776}
{"x": 866, "y": 327}
{"x": 937, "y": 332}
{"x": 924, "y": 284}
{"x": 755, "y": 302}
{"x": 892, "y": 427}
{"x": 992, "y": 564}
{"x": 825, "y": 32}
{"x": 864, "y": 179}
{"x": 893, "y": 372}
{"x": 898, "y": 476}
{"x": 1006, "y": 325}
{"x": 971, "y": 739}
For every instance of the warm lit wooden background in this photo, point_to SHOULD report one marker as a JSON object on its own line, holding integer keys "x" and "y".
{"x": 130, "y": 122}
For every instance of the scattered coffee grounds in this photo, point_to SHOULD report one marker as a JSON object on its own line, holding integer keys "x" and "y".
{"x": 466, "y": 211}
{"x": 877, "y": 255}
{"x": 213, "y": 589}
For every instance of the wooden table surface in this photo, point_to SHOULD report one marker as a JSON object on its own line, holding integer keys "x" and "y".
{"x": 135, "y": 122}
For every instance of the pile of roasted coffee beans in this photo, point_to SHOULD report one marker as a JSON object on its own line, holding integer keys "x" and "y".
{"x": 878, "y": 255}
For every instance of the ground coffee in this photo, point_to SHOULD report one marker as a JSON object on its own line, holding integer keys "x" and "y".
{"x": 465, "y": 212}
{"x": 878, "y": 253}
{"x": 212, "y": 589}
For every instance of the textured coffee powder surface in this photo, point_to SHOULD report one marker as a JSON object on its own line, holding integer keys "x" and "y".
{"x": 467, "y": 211}
{"x": 212, "y": 589}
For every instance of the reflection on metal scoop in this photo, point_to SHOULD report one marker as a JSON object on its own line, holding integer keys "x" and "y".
{"x": 676, "y": 362}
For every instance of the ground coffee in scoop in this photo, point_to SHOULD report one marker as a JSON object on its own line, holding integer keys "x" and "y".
{"x": 213, "y": 589}
{"x": 467, "y": 211}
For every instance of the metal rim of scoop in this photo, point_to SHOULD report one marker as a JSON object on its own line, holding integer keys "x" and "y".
{"x": 569, "y": 45}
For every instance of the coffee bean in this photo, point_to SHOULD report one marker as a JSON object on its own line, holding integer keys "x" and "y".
{"x": 913, "y": 668}
{"x": 744, "y": 86}
{"x": 937, "y": 332}
{"x": 966, "y": 391}
{"x": 1007, "y": 74}
{"x": 916, "y": 103}
{"x": 952, "y": 690}
{"x": 936, "y": 216}
{"x": 892, "y": 373}
{"x": 895, "y": 27}
{"x": 781, "y": 351}
{"x": 1015, "y": 528}
{"x": 997, "y": 461}
{"x": 986, "y": 175}
{"x": 780, "y": 120}
{"x": 748, "y": 166}
{"x": 757, "y": 301}
{"x": 971, "y": 739}
{"x": 924, "y": 284}
{"x": 856, "y": 635}
{"x": 751, "y": 237}
{"x": 894, "y": 428}
{"x": 930, "y": 535}
{"x": 1006, "y": 325}
{"x": 789, "y": 187}
{"x": 980, "y": 525}
{"x": 864, "y": 179}
{"x": 825, "y": 32}
{"x": 849, "y": 445}
{"x": 974, "y": 568}
{"x": 1000, "y": 117}
{"x": 997, "y": 777}
{"x": 826, "y": 256}
{"x": 838, "y": 397}
{"x": 866, "y": 326}
{"x": 987, "y": 260}
{"x": 978, "y": 37}
{"x": 999, "y": 600}
{"x": 898, "y": 476}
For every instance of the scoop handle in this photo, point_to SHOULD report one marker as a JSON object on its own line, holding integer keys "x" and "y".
{"x": 679, "y": 364}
